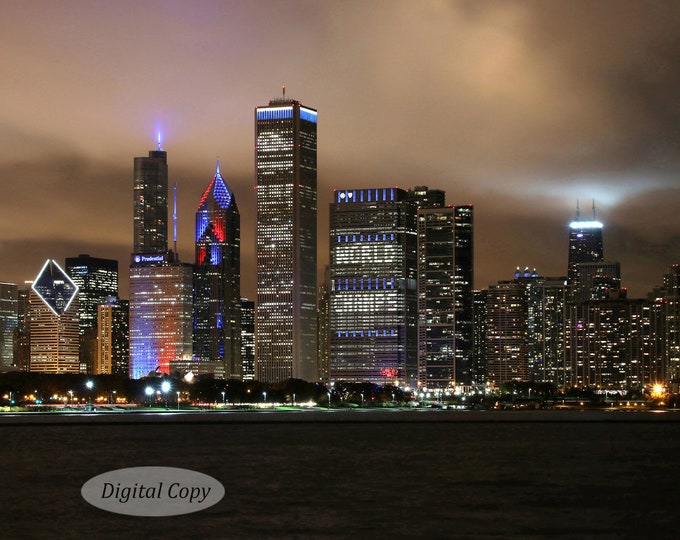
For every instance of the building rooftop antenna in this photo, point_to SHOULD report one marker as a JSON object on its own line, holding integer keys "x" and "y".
{"x": 578, "y": 212}
{"x": 594, "y": 210}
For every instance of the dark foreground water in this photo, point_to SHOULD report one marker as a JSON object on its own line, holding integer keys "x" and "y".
{"x": 357, "y": 474}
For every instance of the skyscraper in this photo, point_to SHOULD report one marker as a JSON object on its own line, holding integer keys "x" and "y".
{"x": 248, "y": 339}
{"x": 151, "y": 202}
{"x": 445, "y": 291}
{"x": 161, "y": 287}
{"x": 585, "y": 244}
{"x": 616, "y": 344}
{"x": 217, "y": 283}
{"x": 113, "y": 337}
{"x": 53, "y": 322}
{"x": 285, "y": 321}
{"x": 161, "y": 313}
{"x": 97, "y": 280}
{"x": 373, "y": 293}
{"x": 9, "y": 316}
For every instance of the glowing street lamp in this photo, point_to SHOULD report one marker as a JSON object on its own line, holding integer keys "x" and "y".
{"x": 165, "y": 388}
{"x": 178, "y": 400}
{"x": 89, "y": 385}
{"x": 149, "y": 392}
{"x": 224, "y": 398}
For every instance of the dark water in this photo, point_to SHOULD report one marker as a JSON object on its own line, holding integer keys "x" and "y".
{"x": 494, "y": 475}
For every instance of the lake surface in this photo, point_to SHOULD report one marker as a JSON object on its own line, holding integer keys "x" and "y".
{"x": 356, "y": 474}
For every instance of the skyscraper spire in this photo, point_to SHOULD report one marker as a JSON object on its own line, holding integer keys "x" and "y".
{"x": 578, "y": 212}
{"x": 217, "y": 168}
{"x": 594, "y": 219}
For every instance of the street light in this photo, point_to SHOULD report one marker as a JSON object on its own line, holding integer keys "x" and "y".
{"x": 89, "y": 385}
{"x": 70, "y": 393}
{"x": 264, "y": 394}
{"x": 362, "y": 400}
{"x": 165, "y": 388}
{"x": 149, "y": 392}
{"x": 224, "y": 398}
{"x": 329, "y": 401}
{"x": 178, "y": 400}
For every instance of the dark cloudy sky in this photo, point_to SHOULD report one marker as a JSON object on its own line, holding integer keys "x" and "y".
{"x": 517, "y": 107}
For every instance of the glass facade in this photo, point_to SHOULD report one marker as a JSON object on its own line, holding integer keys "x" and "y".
{"x": 373, "y": 295}
{"x": 151, "y": 203}
{"x": 285, "y": 320}
{"x": 97, "y": 280}
{"x": 445, "y": 296}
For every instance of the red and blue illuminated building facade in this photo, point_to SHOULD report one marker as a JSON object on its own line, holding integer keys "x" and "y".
{"x": 161, "y": 287}
{"x": 217, "y": 283}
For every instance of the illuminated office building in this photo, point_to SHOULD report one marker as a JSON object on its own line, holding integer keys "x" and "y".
{"x": 585, "y": 245}
{"x": 161, "y": 315}
{"x": 248, "y": 339}
{"x": 616, "y": 344}
{"x": 9, "y": 316}
{"x": 161, "y": 287}
{"x": 217, "y": 283}
{"x": 285, "y": 320}
{"x": 151, "y": 202}
{"x": 507, "y": 340}
{"x": 22, "y": 345}
{"x": 525, "y": 329}
{"x": 323, "y": 327}
{"x": 113, "y": 337}
{"x": 599, "y": 280}
{"x": 53, "y": 322}
{"x": 549, "y": 312}
{"x": 97, "y": 280}
{"x": 445, "y": 294}
{"x": 478, "y": 357}
{"x": 373, "y": 293}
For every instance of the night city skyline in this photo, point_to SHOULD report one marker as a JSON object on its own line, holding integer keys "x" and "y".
{"x": 518, "y": 108}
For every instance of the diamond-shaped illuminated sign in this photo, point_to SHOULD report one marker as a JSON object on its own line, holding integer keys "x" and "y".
{"x": 54, "y": 287}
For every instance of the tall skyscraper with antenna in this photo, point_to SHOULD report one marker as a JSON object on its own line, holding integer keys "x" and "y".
{"x": 161, "y": 287}
{"x": 285, "y": 158}
{"x": 217, "y": 283}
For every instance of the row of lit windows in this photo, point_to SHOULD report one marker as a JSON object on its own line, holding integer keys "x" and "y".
{"x": 354, "y": 284}
{"x": 366, "y": 333}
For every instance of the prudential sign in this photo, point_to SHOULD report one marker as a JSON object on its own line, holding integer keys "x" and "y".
{"x": 152, "y": 491}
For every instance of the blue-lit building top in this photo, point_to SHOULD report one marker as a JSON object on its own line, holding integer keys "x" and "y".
{"x": 217, "y": 288}
{"x": 373, "y": 301}
{"x": 585, "y": 245}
